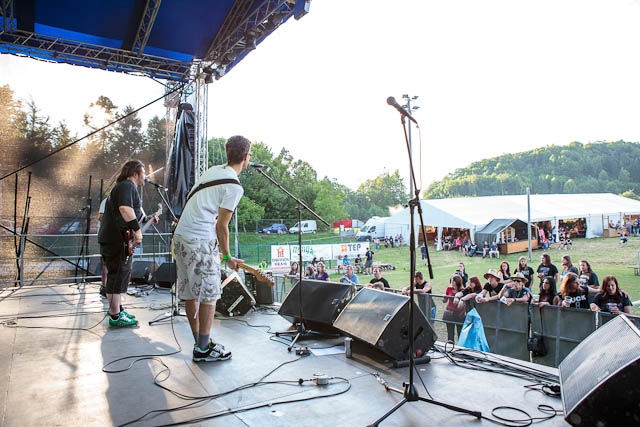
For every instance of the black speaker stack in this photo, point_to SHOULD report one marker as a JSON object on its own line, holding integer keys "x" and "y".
{"x": 374, "y": 317}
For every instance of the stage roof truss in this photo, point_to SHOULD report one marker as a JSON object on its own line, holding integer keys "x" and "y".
{"x": 146, "y": 23}
{"x": 230, "y": 48}
{"x": 94, "y": 56}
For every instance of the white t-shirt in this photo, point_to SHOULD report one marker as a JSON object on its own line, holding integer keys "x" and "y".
{"x": 199, "y": 217}
{"x": 103, "y": 206}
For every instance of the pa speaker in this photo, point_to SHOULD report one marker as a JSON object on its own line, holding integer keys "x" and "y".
{"x": 236, "y": 300}
{"x": 141, "y": 270}
{"x": 381, "y": 319}
{"x": 165, "y": 275}
{"x": 599, "y": 378}
{"x": 322, "y": 302}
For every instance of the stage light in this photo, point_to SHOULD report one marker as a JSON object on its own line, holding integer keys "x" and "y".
{"x": 208, "y": 79}
{"x": 273, "y": 22}
{"x": 228, "y": 58}
{"x": 220, "y": 72}
{"x": 208, "y": 69}
{"x": 250, "y": 39}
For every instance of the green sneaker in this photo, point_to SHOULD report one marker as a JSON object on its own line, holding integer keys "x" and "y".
{"x": 129, "y": 315}
{"x": 122, "y": 321}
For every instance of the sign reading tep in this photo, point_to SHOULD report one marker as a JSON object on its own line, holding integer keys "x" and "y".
{"x": 283, "y": 255}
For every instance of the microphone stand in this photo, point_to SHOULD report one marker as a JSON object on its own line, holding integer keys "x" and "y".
{"x": 175, "y": 311}
{"x": 410, "y": 394}
{"x": 300, "y": 329}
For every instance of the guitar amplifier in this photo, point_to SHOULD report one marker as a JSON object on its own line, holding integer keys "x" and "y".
{"x": 261, "y": 290}
{"x": 236, "y": 299}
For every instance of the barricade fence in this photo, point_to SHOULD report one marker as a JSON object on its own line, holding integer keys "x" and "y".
{"x": 505, "y": 327}
{"x": 27, "y": 259}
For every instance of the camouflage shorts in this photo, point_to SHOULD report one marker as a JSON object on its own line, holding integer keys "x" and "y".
{"x": 198, "y": 269}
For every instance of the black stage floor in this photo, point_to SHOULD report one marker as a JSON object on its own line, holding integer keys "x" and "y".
{"x": 55, "y": 376}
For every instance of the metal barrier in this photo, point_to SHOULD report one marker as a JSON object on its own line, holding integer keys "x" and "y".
{"x": 64, "y": 257}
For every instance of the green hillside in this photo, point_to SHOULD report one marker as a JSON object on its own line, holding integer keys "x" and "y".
{"x": 575, "y": 168}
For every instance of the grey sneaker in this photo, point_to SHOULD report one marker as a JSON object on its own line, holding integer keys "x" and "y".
{"x": 214, "y": 353}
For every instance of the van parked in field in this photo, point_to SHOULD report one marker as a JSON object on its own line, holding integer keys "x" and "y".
{"x": 372, "y": 229}
{"x": 309, "y": 226}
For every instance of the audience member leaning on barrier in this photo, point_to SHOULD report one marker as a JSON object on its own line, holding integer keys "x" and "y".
{"x": 548, "y": 293}
{"x": 471, "y": 291}
{"x": 515, "y": 291}
{"x": 492, "y": 287}
{"x": 454, "y": 312}
{"x": 572, "y": 294}
{"x": 611, "y": 298}
{"x": 321, "y": 274}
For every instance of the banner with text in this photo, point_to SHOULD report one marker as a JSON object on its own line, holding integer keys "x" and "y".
{"x": 283, "y": 255}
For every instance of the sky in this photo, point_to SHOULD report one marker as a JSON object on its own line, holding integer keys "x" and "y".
{"x": 492, "y": 77}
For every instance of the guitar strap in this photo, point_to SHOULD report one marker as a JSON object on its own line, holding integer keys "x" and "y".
{"x": 207, "y": 185}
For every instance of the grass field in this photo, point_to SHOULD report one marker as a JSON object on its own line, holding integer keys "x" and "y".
{"x": 605, "y": 255}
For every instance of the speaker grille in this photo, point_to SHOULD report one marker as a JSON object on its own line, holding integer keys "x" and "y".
{"x": 594, "y": 361}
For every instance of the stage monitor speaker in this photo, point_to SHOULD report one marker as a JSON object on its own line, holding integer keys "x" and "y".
{"x": 600, "y": 378}
{"x": 322, "y": 302}
{"x": 236, "y": 299}
{"x": 141, "y": 271}
{"x": 165, "y": 275}
{"x": 381, "y": 319}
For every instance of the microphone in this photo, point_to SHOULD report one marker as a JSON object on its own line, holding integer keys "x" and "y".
{"x": 148, "y": 181}
{"x": 257, "y": 165}
{"x": 392, "y": 101}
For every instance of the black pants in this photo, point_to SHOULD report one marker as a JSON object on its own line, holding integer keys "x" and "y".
{"x": 452, "y": 316}
{"x": 118, "y": 268}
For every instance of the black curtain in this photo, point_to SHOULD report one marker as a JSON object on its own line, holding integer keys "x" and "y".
{"x": 179, "y": 176}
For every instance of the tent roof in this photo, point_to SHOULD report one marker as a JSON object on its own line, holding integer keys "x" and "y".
{"x": 469, "y": 212}
{"x": 159, "y": 39}
{"x": 497, "y": 225}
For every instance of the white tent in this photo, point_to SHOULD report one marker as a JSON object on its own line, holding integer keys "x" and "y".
{"x": 473, "y": 213}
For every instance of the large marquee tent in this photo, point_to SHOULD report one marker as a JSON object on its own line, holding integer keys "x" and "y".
{"x": 473, "y": 213}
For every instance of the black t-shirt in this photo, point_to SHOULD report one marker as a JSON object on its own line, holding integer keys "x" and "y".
{"x": 621, "y": 299}
{"x": 491, "y": 291}
{"x": 422, "y": 285}
{"x": 590, "y": 279}
{"x": 578, "y": 299}
{"x": 369, "y": 255}
{"x": 112, "y": 225}
{"x": 383, "y": 280}
{"x": 547, "y": 271}
{"x": 464, "y": 276}
{"x": 528, "y": 273}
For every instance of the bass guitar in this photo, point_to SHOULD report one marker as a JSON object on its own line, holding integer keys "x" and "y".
{"x": 129, "y": 236}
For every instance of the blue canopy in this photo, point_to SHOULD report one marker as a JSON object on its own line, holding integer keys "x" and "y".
{"x": 155, "y": 38}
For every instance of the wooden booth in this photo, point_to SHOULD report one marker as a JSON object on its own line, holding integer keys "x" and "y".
{"x": 511, "y": 235}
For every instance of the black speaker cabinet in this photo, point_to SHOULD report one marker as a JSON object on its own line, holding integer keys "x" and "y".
{"x": 141, "y": 271}
{"x": 236, "y": 299}
{"x": 322, "y": 302}
{"x": 381, "y": 319}
{"x": 165, "y": 275}
{"x": 600, "y": 378}
{"x": 263, "y": 293}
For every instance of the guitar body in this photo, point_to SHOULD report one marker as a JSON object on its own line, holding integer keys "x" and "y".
{"x": 129, "y": 235}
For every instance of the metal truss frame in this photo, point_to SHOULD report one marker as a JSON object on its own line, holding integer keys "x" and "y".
{"x": 146, "y": 23}
{"x": 233, "y": 41}
{"x": 63, "y": 50}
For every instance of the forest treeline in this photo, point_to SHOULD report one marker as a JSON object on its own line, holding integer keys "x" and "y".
{"x": 27, "y": 134}
{"x": 611, "y": 167}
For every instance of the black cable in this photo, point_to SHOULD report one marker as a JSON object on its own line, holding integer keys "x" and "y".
{"x": 91, "y": 133}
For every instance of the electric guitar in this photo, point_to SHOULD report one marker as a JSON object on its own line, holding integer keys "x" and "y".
{"x": 129, "y": 237}
{"x": 260, "y": 274}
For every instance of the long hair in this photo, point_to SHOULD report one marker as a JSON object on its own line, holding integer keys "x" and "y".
{"x": 568, "y": 258}
{"x": 457, "y": 280}
{"x": 568, "y": 278}
{"x": 475, "y": 284}
{"x": 547, "y": 260}
{"x": 552, "y": 287}
{"x": 129, "y": 169}
{"x": 605, "y": 282}
{"x": 508, "y": 268}
{"x": 520, "y": 268}
{"x": 588, "y": 265}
